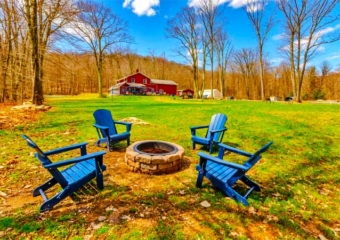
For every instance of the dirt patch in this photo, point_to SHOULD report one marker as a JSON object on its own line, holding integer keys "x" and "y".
{"x": 134, "y": 120}
{"x": 12, "y": 116}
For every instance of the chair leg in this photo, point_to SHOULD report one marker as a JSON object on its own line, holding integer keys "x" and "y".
{"x": 250, "y": 183}
{"x": 200, "y": 177}
{"x": 47, "y": 206}
{"x": 211, "y": 145}
{"x": 100, "y": 181}
{"x": 50, "y": 183}
{"x": 108, "y": 144}
{"x": 193, "y": 145}
{"x": 99, "y": 176}
{"x": 102, "y": 141}
{"x": 50, "y": 203}
{"x": 128, "y": 141}
{"x": 234, "y": 195}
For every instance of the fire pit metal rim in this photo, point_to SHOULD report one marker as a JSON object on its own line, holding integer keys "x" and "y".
{"x": 135, "y": 147}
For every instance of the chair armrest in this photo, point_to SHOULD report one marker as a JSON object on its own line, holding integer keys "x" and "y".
{"x": 65, "y": 149}
{"x": 234, "y": 150}
{"x": 127, "y": 124}
{"x": 193, "y": 129}
{"x": 222, "y": 162}
{"x": 100, "y": 126}
{"x": 199, "y": 127}
{"x": 219, "y": 130}
{"x": 75, "y": 160}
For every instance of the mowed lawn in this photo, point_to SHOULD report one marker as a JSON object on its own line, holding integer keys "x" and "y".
{"x": 299, "y": 175}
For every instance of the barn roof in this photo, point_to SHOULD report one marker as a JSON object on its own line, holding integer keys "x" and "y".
{"x": 137, "y": 85}
{"x": 137, "y": 73}
{"x": 165, "y": 82}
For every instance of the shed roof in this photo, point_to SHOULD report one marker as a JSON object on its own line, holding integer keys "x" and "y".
{"x": 185, "y": 90}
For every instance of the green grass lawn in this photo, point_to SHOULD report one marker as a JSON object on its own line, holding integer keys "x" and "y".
{"x": 299, "y": 175}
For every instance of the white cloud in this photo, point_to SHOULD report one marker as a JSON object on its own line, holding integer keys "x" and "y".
{"x": 254, "y": 6}
{"x": 333, "y": 56}
{"x": 232, "y": 3}
{"x": 142, "y": 7}
{"x": 314, "y": 41}
{"x": 197, "y": 3}
{"x": 239, "y": 3}
{"x": 278, "y": 37}
{"x": 326, "y": 30}
{"x": 277, "y": 61}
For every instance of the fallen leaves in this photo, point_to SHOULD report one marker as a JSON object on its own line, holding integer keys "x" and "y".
{"x": 205, "y": 204}
{"x": 11, "y": 162}
{"x": 2, "y": 194}
{"x": 11, "y": 117}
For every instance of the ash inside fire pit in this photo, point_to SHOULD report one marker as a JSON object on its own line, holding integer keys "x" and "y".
{"x": 154, "y": 157}
{"x": 155, "y": 150}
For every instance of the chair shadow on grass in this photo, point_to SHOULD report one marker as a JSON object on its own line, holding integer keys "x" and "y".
{"x": 114, "y": 147}
{"x": 89, "y": 194}
{"x": 216, "y": 148}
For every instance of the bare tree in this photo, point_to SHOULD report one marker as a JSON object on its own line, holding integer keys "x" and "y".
{"x": 130, "y": 55}
{"x": 262, "y": 26}
{"x": 44, "y": 18}
{"x": 309, "y": 25}
{"x": 115, "y": 59}
{"x": 223, "y": 52}
{"x": 184, "y": 28}
{"x": 245, "y": 60}
{"x": 311, "y": 78}
{"x": 280, "y": 85}
{"x": 211, "y": 16}
{"x": 13, "y": 51}
{"x": 6, "y": 45}
{"x": 325, "y": 68}
{"x": 204, "y": 54}
{"x": 100, "y": 29}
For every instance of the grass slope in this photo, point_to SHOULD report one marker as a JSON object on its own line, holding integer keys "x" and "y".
{"x": 299, "y": 175}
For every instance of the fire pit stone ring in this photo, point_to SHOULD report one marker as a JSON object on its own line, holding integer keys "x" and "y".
{"x": 154, "y": 157}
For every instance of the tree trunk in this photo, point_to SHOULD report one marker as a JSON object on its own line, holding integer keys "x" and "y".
{"x": 100, "y": 75}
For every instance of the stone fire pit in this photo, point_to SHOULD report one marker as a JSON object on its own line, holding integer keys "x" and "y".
{"x": 154, "y": 157}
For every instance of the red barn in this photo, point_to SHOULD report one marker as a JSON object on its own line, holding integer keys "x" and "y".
{"x": 140, "y": 84}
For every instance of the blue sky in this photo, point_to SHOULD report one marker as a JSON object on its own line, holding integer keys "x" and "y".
{"x": 147, "y": 21}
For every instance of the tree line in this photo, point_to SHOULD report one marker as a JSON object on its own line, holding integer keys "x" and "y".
{"x": 34, "y": 33}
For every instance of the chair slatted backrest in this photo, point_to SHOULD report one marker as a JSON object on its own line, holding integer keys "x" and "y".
{"x": 257, "y": 156}
{"x": 217, "y": 123}
{"x": 103, "y": 117}
{"x": 45, "y": 161}
{"x": 249, "y": 163}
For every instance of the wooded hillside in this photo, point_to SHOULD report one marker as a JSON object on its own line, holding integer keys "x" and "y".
{"x": 76, "y": 73}
{"x": 72, "y": 74}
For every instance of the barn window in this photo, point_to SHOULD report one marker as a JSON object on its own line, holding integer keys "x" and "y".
{"x": 145, "y": 81}
{"x": 132, "y": 80}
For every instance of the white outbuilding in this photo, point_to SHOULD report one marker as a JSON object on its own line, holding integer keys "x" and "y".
{"x": 216, "y": 94}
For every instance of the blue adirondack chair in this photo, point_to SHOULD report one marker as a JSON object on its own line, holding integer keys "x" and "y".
{"x": 225, "y": 174}
{"x": 80, "y": 171}
{"x": 214, "y": 134}
{"x": 106, "y": 129}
